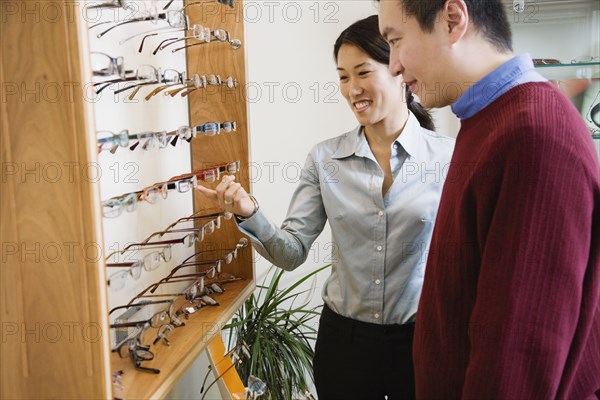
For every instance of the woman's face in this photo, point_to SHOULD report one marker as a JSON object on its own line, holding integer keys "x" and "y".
{"x": 374, "y": 95}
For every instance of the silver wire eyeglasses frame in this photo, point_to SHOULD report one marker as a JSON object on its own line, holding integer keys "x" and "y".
{"x": 106, "y": 65}
{"x": 205, "y": 229}
{"x": 164, "y": 330}
{"x": 149, "y": 262}
{"x": 143, "y": 74}
{"x": 114, "y": 206}
{"x": 205, "y": 35}
{"x": 229, "y": 3}
{"x": 107, "y": 140}
{"x": 188, "y": 133}
{"x": 176, "y": 19}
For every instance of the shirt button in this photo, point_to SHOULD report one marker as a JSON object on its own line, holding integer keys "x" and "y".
{"x": 379, "y": 248}
{"x": 377, "y": 282}
{"x": 380, "y": 213}
{"x": 376, "y": 315}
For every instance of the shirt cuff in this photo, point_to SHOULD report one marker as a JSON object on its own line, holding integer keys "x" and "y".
{"x": 257, "y": 227}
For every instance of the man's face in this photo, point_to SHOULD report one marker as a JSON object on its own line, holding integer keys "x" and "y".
{"x": 417, "y": 55}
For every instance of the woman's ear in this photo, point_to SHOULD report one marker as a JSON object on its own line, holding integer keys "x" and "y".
{"x": 455, "y": 19}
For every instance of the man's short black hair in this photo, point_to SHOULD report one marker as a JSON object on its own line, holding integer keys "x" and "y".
{"x": 488, "y": 17}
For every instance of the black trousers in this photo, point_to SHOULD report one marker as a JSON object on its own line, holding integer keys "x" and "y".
{"x": 362, "y": 361}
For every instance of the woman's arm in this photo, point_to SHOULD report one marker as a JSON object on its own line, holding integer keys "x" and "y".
{"x": 286, "y": 247}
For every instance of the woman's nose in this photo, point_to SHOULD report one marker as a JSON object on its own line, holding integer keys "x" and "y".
{"x": 355, "y": 90}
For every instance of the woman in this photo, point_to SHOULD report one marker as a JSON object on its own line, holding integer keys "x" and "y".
{"x": 379, "y": 186}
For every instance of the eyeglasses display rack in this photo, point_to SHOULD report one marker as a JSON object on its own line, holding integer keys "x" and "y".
{"x": 83, "y": 177}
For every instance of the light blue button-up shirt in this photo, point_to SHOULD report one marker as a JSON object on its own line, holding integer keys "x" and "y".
{"x": 380, "y": 243}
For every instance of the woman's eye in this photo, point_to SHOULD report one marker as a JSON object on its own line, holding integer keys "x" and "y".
{"x": 364, "y": 73}
{"x": 343, "y": 78}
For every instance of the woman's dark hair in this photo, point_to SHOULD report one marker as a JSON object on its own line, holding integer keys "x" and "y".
{"x": 365, "y": 35}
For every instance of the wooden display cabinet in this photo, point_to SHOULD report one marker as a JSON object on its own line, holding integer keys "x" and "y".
{"x": 53, "y": 303}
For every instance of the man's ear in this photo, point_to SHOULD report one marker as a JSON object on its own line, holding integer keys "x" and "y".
{"x": 455, "y": 19}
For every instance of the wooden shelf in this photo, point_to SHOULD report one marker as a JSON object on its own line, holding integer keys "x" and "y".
{"x": 59, "y": 293}
{"x": 187, "y": 343}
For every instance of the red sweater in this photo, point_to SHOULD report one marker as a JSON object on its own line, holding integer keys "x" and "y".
{"x": 510, "y": 306}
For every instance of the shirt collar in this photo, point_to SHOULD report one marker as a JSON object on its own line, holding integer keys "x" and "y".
{"x": 348, "y": 143}
{"x": 355, "y": 141}
{"x": 409, "y": 139}
{"x": 516, "y": 71}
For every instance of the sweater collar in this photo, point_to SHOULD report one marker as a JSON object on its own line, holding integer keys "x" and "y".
{"x": 516, "y": 71}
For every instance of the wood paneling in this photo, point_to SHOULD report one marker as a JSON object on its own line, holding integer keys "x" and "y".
{"x": 53, "y": 304}
{"x": 54, "y": 342}
{"x": 221, "y": 104}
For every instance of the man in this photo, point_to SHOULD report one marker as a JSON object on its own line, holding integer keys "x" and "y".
{"x": 510, "y": 306}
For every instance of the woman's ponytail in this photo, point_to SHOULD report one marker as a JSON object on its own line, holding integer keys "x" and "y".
{"x": 417, "y": 109}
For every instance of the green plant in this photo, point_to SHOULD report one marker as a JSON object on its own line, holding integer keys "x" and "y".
{"x": 279, "y": 334}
